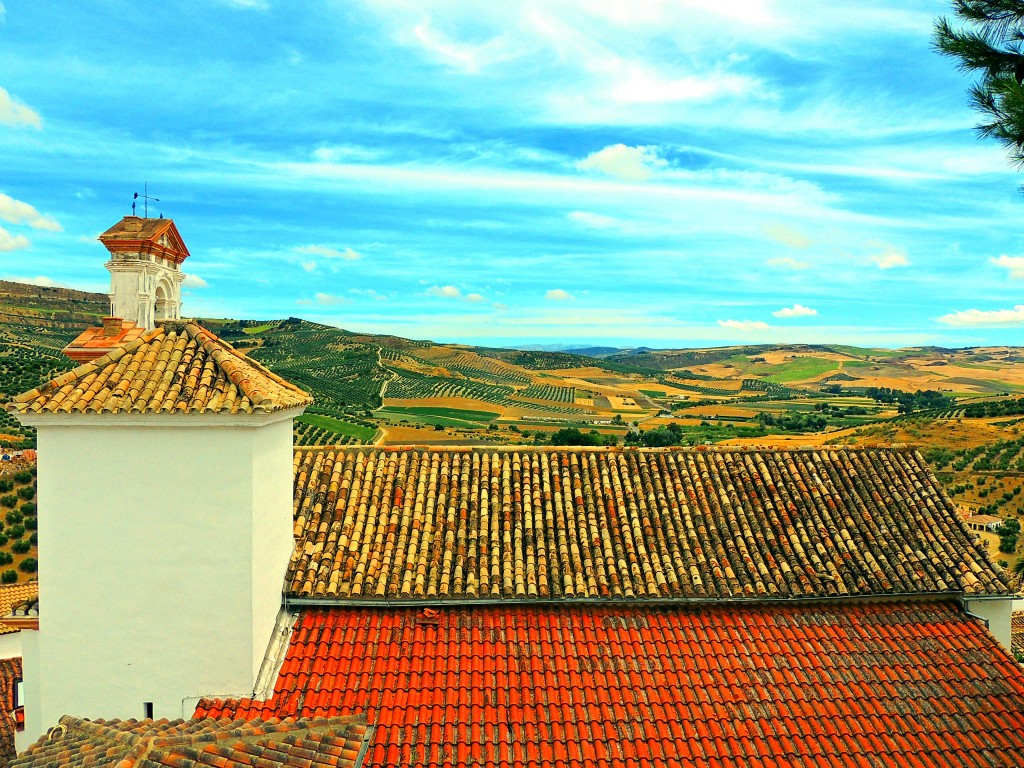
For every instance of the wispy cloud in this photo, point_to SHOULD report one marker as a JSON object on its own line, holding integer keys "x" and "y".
{"x": 9, "y": 242}
{"x": 985, "y": 317}
{"x": 330, "y": 300}
{"x": 16, "y": 212}
{"x": 744, "y": 325}
{"x": 625, "y": 163}
{"x": 348, "y": 254}
{"x": 788, "y": 263}
{"x": 797, "y": 310}
{"x": 558, "y": 294}
{"x": 17, "y": 114}
{"x": 1014, "y": 264}
{"x": 788, "y": 236}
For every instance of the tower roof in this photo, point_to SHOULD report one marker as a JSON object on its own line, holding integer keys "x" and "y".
{"x": 133, "y": 234}
{"x": 177, "y": 368}
{"x": 328, "y": 743}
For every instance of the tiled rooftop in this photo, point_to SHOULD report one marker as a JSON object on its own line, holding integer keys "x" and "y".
{"x": 14, "y": 598}
{"x": 10, "y": 674}
{"x": 1017, "y": 632}
{"x": 179, "y": 368}
{"x": 431, "y": 524}
{"x": 910, "y": 684}
{"x": 334, "y": 743}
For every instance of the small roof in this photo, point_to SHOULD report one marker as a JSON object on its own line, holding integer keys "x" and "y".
{"x": 887, "y": 685}
{"x": 669, "y": 524}
{"x": 98, "y": 341}
{"x": 326, "y": 743}
{"x": 133, "y": 233}
{"x": 178, "y": 368}
{"x": 984, "y": 519}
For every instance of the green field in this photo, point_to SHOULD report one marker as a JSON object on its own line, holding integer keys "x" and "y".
{"x": 652, "y": 392}
{"x": 253, "y": 329}
{"x": 365, "y": 434}
{"x": 799, "y": 369}
{"x": 484, "y": 417}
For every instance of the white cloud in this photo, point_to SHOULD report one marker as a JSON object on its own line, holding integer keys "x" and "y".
{"x": 744, "y": 325}
{"x": 9, "y": 242}
{"x": 40, "y": 280}
{"x": 788, "y": 236}
{"x": 975, "y": 317}
{"x": 557, "y": 294}
{"x": 330, "y": 253}
{"x": 789, "y": 263}
{"x": 622, "y": 162}
{"x": 309, "y": 266}
{"x": 255, "y": 5}
{"x": 595, "y": 220}
{"x": 642, "y": 87}
{"x": 304, "y": 302}
{"x": 797, "y": 310}
{"x": 13, "y": 113}
{"x": 474, "y": 297}
{"x": 328, "y": 299}
{"x": 444, "y": 292}
{"x": 16, "y": 212}
{"x": 195, "y": 281}
{"x": 344, "y": 154}
{"x": 889, "y": 256}
{"x": 1015, "y": 264}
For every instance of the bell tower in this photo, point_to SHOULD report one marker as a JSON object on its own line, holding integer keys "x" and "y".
{"x": 145, "y": 270}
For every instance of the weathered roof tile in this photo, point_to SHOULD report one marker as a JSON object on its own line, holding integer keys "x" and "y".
{"x": 180, "y": 367}
{"x": 435, "y": 524}
{"x": 337, "y": 742}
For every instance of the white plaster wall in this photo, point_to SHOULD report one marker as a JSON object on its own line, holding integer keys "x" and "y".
{"x": 999, "y": 614}
{"x": 125, "y": 286}
{"x": 272, "y": 533}
{"x": 10, "y": 645}
{"x": 156, "y": 580}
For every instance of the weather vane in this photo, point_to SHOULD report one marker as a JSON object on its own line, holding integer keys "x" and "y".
{"x": 145, "y": 199}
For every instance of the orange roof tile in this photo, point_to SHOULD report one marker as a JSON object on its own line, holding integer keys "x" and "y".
{"x": 432, "y": 524}
{"x": 98, "y": 341}
{"x": 179, "y": 368}
{"x": 334, "y": 743}
{"x": 882, "y": 685}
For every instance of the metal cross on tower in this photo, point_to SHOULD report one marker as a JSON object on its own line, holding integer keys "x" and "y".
{"x": 145, "y": 199}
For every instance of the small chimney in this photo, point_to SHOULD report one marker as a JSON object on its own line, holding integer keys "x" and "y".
{"x": 112, "y": 326}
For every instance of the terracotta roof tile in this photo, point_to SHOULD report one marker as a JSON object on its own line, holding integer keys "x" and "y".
{"x": 10, "y": 674}
{"x": 12, "y": 595}
{"x": 1017, "y": 632}
{"x": 432, "y": 524}
{"x": 226, "y": 743}
{"x": 179, "y": 368}
{"x": 883, "y": 684}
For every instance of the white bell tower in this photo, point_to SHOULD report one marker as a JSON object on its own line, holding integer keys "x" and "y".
{"x": 145, "y": 270}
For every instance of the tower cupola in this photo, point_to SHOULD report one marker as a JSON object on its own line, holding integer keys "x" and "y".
{"x": 145, "y": 270}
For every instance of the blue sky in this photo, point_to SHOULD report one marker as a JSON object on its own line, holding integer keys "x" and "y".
{"x": 663, "y": 173}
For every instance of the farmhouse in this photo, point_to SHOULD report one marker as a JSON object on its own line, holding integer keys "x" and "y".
{"x": 258, "y": 605}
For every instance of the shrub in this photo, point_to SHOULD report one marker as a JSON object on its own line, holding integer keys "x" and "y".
{"x": 30, "y": 524}
{"x": 17, "y": 531}
{"x": 33, "y": 539}
{"x": 9, "y": 577}
{"x": 14, "y": 516}
{"x": 28, "y": 509}
{"x": 6, "y": 558}
{"x": 29, "y": 565}
{"x": 9, "y": 500}
{"x": 6, "y": 485}
{"x": 21, "y": 547}
{"x": 27, "y": 492}
{"x": 24, "y": 476}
